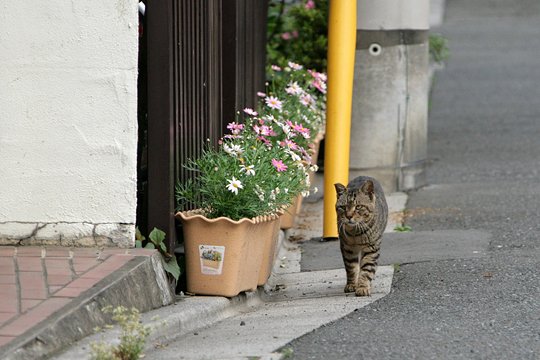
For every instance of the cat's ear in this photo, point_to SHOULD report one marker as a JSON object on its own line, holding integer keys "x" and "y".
{"x": 340, "y": 189}
{"x": 368, "y": 188}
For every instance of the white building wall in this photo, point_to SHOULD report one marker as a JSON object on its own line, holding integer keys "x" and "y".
{"x": 68, "y": 122}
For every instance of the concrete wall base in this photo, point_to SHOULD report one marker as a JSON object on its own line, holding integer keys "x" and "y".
{"x": 68, "y": 234}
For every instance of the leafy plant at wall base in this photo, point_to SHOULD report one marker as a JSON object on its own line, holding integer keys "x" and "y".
{"x": 438, "y": 48}
{"x": 156, "y": 241}
{"x": 132, "y": 338}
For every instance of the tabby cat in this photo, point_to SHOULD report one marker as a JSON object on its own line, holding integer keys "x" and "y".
{"x": 362, "y": 214}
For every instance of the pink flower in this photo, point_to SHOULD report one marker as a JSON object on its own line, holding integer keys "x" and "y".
{"x": 318, "y": 76}
{"x": 289, "y": 144}
{"x": 306, "y": 99}
{"x": 261, "y": 94}
{"x": 250, "y": 111}
{"x": 264, "y": 130}
{"x": 319, "y": 85}
{"x": 276, "y": 68}
{"x": 286, "y": 36}
{"x": 302, "y": 130}
{"x": 310, "y": 4}
{"x": 265, "y": 141}
{"x": 279, "y": 165}
{"x": 267, "y": 131}
{"x": 295, "y": 34}
{"x": 273, "y": 102}
{"x": 235, "y": 128}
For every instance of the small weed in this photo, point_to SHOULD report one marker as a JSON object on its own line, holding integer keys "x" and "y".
{"x": 396, "y": 268}
{"x": 287, "y": 353}
{"x": 132, "y": 338}
{"x": 403, "y": 228}
{"x": 156, "y": 240}
{"x": 438, "y": 48}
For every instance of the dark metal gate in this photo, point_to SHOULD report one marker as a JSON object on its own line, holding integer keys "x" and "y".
{"x": 206, "y": 61}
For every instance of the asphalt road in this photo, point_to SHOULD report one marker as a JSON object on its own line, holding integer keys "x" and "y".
{"x": 484, "y": 147}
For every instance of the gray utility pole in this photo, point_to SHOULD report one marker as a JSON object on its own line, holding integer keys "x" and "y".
{"x": 391, "y": 86}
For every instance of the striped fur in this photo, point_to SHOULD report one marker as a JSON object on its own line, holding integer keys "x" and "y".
{"x": 362, "y": 214}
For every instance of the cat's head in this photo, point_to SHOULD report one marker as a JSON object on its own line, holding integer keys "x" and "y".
{"x": 355, "y": 206}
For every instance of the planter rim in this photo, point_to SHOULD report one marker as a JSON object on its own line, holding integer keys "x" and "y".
{"x": 197, "y": 214}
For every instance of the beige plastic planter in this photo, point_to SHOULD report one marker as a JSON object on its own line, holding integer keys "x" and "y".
{"x": 269, "y": 231}
{"x": 289, "y": 216}
{"x": 223, "y": 257}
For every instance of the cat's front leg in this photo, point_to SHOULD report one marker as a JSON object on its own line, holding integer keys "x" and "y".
{"x": 368, "y": 267}
{"x": 352, "y": 267}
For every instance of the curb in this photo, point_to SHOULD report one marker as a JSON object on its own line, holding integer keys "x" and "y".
{"x": 187, "y": 314}
{"x": 141, "y": 275}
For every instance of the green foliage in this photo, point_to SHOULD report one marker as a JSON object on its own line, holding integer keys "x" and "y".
{"x": 132, "y": 338}
{"x": 287, "y": 353}
{"x": 265, "y": 192}
{"x": 156, "y": 240}
{"x": 438, "y": 48}
{"x": 297, "y": 31}
{"x": 264, "y": 163}
{"x": 403, "y": 228}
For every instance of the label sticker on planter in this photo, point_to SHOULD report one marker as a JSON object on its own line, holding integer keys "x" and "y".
{"x": 211, "y": 259}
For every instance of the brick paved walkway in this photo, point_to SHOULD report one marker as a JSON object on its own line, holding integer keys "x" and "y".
{"x": 35, "y": 282}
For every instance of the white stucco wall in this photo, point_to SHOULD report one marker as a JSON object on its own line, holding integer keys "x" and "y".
{"x": 68, "y": 121}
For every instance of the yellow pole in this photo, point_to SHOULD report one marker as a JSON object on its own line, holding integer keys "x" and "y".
{"x": 341, "y": 50}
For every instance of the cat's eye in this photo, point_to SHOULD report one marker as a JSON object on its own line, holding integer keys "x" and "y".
{"x": 362, "y": 211}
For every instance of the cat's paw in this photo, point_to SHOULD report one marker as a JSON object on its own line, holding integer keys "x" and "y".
{"x": 363, "y": 291}
{"x": 349, "y": 288}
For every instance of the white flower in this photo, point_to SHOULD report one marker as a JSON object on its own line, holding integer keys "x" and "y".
{"x": 295, "y": 66}
{"x": 294, "y": 89}
{"x": 234, "y": 185}
{"x": 294, "y": 156}
{"x": 306, "y": 99}
{"x": 233, "y": 150}
{"x": 259, "y": 192}
{"x": 269, "y": 117}
{"x": 249, "y": 170}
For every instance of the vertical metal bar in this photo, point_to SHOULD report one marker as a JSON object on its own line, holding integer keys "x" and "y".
{"x": 160, "y": 120}
{"x": 229, "y": 68}
{"x": 259, "y": 76}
